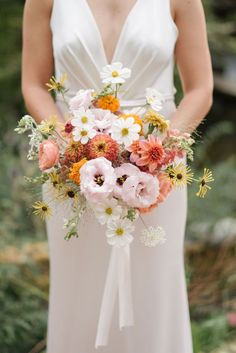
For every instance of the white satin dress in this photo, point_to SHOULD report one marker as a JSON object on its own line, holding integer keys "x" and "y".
{"x": 97, "y": 302}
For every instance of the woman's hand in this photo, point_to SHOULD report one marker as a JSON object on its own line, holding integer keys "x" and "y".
{"x": 194, "y": 65}
{"x": 37, "y": 59}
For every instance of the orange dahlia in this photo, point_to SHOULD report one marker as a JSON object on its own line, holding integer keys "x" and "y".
{"x": 109, "y": 102}
{"x": 136, "y": 118}
{"x": 151, "y": 153}
{"x": 102, "y": 146}
{"x": 75, "y": 170}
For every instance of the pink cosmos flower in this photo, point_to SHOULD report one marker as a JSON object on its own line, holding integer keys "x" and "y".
{"x": 82, "y": 98}
{"x": 122, "y": 173}
{"x": 48, "y": 154}
{"x": 103, "y": 120}
{"x": 151, "y": 153}
{"x": 140, "y": 190}
{"x": 97, "y": 179}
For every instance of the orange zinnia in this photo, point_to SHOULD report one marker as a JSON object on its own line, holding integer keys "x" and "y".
{"x": 75, "y": 170}
{"x": 109, "y": 102}
{"x": 102, "y": 146}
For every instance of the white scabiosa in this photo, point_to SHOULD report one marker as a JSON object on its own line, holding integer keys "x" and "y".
{"x": 125, "y": 131}
{"x": 115, "y": 73}
{"x": 119, "y": 232}
{"x": 153, "y": 236}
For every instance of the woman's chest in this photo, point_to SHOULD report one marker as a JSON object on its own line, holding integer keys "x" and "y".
{"x": 142, "y": 30}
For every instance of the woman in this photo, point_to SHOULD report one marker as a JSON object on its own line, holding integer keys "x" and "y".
{"x": 79, "y": 37}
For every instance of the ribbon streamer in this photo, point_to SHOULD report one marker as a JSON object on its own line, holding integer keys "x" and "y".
{"x": 118, "y": 279}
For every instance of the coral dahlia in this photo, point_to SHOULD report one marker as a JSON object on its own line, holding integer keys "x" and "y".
{"x": 102, "y": 146}
{"x": 151, "y": 153}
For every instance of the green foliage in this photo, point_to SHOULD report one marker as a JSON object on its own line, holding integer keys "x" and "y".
{"x": 23, "y": 314}
{"x": 221, "y": 25}
{"x": 209, "y": 334}
{"x": 220, "y": 201}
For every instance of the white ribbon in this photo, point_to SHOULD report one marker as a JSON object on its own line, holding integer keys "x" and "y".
{"x": 118, "y": 279}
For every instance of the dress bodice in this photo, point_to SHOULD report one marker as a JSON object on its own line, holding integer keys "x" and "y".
{"x": 145, "y": 45}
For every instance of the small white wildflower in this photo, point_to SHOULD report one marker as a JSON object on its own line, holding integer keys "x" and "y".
{"x": 154, "y": 98}
{"x": 153, "y": 236}
{"x": 66, "y": 223}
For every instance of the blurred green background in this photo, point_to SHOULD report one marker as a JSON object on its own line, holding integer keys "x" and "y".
{"x": 210, "y": 246}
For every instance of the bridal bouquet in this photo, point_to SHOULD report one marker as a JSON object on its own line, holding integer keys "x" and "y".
{"x": 115, "y": 163}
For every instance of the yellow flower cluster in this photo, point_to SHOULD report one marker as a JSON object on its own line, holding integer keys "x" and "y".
{"x": 157, "y": 120}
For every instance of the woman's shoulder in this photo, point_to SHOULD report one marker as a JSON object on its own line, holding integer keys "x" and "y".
{"x": 184, "y": 5}
{"x": 42, "y": 7}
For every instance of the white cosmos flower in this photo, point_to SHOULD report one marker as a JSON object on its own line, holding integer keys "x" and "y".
{"x": 82, "y": 117}
{"x": 125, "y": 131}
{"x": 115, "y": 73}
{"x": 107, "y": 210}
{"x": 154, "y": 98}
{"x": 83, "y": 133}
{"x": 119, "y": 232}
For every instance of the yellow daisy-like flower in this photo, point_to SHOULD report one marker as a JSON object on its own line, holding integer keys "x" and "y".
{"x": 41, "y": 209}
{"x": 203, "y": 187}
{"x": 47, "y": 126}
{"x": 136, "y": 118}
{"x": 74, "y": 171}
{"x": 180, "y": 175}
{"x": 69, "y": 192}
{"x": 55, "y": 85}
{"x": 55, "y": 179}
{"x": 157, "y": 120}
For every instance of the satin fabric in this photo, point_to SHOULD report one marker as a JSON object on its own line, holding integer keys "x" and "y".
{"x": 79, "y": 269}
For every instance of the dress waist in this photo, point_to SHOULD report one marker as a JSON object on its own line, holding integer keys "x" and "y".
{"x": 126, "y": 102}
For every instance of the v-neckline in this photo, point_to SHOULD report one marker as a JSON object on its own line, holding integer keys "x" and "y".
{"x": 120, "y": 36}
